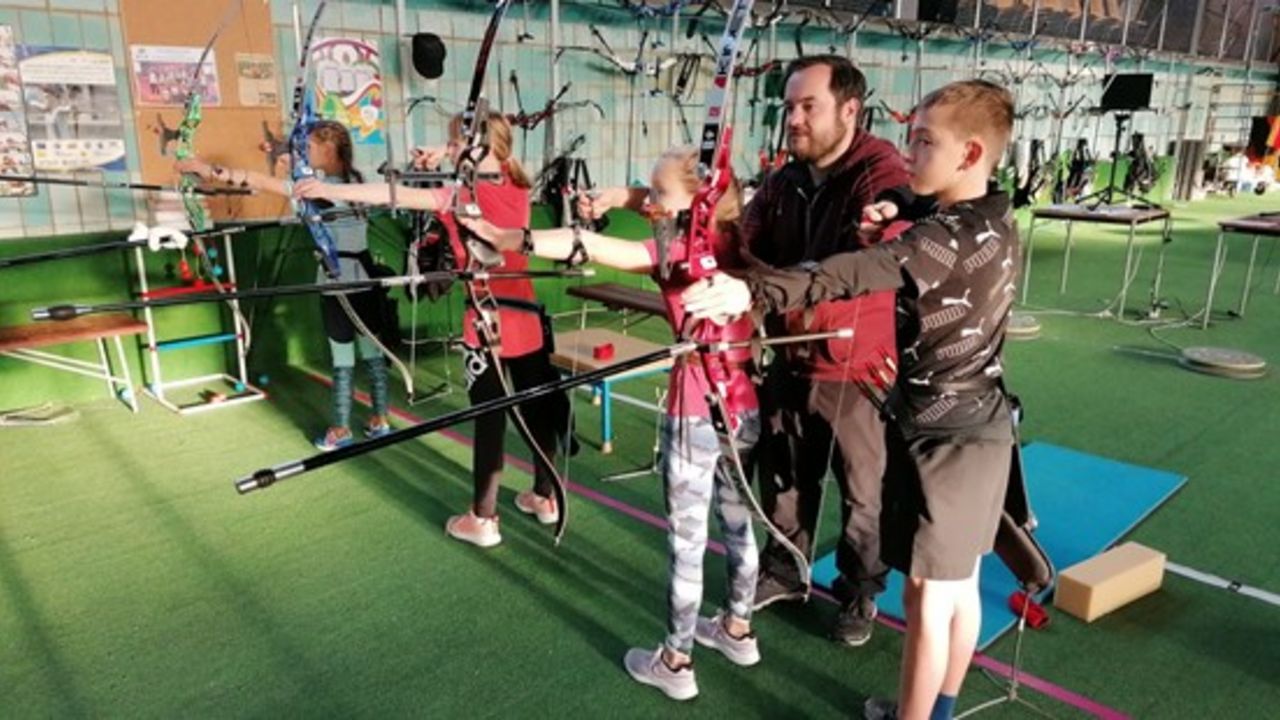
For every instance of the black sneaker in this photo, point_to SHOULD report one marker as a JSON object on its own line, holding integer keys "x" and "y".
{"x": 770, "y": 590}
{"x": 855, "y": 621}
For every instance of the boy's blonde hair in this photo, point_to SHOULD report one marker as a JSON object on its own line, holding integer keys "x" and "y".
{"x": 685, "y": 158}
{"x": 499, "y": 136}
{"x": 977, "y": 107}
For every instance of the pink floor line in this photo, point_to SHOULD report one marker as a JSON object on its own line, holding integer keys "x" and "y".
{"x": 1044, "y": 687}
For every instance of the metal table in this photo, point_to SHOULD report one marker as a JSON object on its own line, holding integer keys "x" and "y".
{"x": 1133, "y": 217}
{"x": 1260, "y": 225}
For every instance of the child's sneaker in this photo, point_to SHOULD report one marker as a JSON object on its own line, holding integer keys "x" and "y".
{"x": 377, "y": 426}
{"x": 879, "y": 709}
{"x": 647, "y": 667}
{"x": 333, "y": 438}
{"x": 472, "y": 528}
{"x": 531, "y": 503}
{"x": 711, "y": 632}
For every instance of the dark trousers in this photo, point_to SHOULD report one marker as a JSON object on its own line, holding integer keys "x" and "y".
{"x": 547, "y": 417}
{"x": 795, "y": 453}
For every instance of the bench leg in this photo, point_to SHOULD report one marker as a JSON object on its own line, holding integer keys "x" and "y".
{"x": 132, "y": 397}
{"x": 105, "y": 363}
{"x": 606, "y": 417}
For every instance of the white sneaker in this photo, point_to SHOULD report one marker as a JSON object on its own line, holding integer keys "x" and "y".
{"x": 482, "y": 532}
{"x": 710, "y": 632}
{"x": 647, "y": 668}
{"x": 531, "y": 503}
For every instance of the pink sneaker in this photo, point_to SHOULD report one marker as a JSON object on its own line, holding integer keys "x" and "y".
{"x": 482, "y": 532}
{"x": 531, "y": 503}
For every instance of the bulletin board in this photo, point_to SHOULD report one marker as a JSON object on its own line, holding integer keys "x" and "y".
{"x": 247, "y": 94}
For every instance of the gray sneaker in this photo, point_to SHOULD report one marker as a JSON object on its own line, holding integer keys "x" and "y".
{"x": 647, "y": 668}
{"x": 855, "y": 622}
{"x": 710, "y": 632}
{"x": 770, "y": 590}
{"x": 879, "y": 709}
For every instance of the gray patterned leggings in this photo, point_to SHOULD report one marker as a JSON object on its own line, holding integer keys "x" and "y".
{"x": 692, "y": 471}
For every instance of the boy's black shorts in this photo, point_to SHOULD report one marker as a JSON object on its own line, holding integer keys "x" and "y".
{"x": 942, "y": 502}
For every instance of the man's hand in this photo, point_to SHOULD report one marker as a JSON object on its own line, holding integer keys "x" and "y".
{"x": 875, "y": 218}
{"x": 595, "y": 203}
{"x": 716, "y": 298}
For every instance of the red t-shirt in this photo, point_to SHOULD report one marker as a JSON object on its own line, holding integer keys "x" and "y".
{"x": 507, "y": 206}
{"x": 688, "y": 385}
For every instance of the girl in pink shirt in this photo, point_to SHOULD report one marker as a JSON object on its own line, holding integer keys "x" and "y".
{"x": 696, "y": 477}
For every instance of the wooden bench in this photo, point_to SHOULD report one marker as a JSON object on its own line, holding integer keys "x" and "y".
{"x": 22, "y": 342}
{"x": 574, "y": 354}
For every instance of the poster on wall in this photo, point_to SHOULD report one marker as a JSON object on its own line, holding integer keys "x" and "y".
{"x": 73, "y": 109}
{"x": 348, "y": 86}
{"x": 15, "y": 152}
{"x": 162, "y": 75}
{"x": 256, "y": 77}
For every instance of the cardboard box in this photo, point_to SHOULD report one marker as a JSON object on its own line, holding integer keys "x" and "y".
{"x": 1108, "y": 581}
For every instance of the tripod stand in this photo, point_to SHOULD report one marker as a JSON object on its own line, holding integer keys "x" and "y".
{"x": 1012, "y": 686}
{"x": 1108, "y": 195}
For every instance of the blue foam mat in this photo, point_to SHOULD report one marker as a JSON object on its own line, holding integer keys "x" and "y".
{"x": 1084, "y": 503}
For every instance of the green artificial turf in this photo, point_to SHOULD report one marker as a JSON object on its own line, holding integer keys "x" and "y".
{"x": 134, "y": 582}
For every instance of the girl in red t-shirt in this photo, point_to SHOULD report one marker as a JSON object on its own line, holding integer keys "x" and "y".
{"x": 523, "y": 352}
{"x": 695, "y": 475}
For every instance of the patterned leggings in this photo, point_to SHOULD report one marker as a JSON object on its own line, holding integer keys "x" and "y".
{"x": 692, "y": 472}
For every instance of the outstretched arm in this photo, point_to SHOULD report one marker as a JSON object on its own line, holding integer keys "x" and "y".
{"x": 429, "y": 199}
{"x": 557, "y": 244}
{"x": 235, "y": 177}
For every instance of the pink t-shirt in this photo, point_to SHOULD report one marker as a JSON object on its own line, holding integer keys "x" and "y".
{"x": 507, "y": 206}
{"x": 687, "y": 390}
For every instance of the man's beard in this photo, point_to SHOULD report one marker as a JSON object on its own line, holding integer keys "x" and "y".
{"x": 819, "y": 145}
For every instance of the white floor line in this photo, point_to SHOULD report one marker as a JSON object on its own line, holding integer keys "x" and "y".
{"x": 1225, "y": 584}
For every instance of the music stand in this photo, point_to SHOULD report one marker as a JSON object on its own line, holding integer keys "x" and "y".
{"x": 1123, "y": 94}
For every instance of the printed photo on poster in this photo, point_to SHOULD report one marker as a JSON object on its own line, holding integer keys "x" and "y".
{"x": 162, "y": 75}
{"x": 73, "y": 109}
{"x": 15, "y": 151}
{"x": 349, "y": 86}
{"x": 256, "y": 76}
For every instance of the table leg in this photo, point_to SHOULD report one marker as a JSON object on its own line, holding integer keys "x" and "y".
{"x": 1128, "y": 268}
{"x": 1214, "y": 268}
{"x": 1165, "y": 238}
{"x": 132, "y": 398}
{"x": 1248, "y": 276}
{"x": 1066, "y": 258}
{"x": 1026, "y": 270}
{"x": 606, "y": 417}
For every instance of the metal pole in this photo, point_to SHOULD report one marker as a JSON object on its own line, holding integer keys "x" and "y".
{"x": 406, "y": 61}
{"x": 1164, "y": 23}
{"x": 1222, "y": 34}
{"x": 553, "y": 44}
{"x": 1124, "y": 30}
{"x": 1198, "y": 30}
